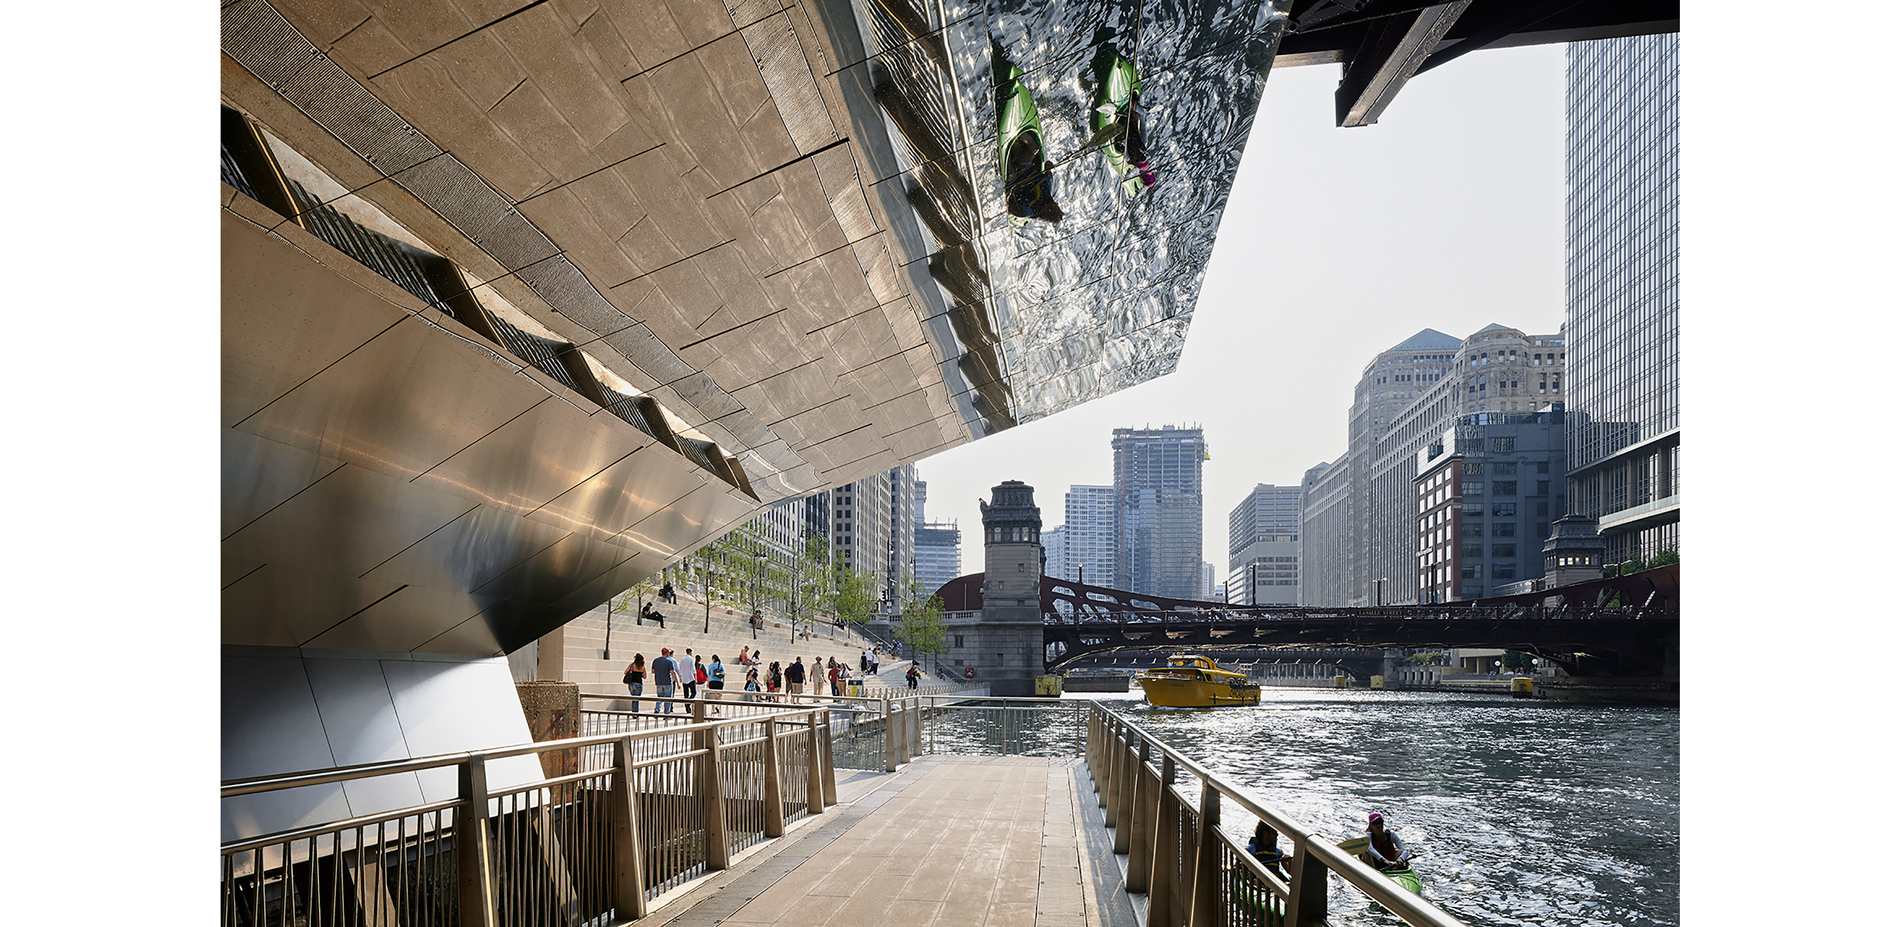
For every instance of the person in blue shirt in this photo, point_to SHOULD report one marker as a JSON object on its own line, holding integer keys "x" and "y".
{"x": 666, "y": 672}
{"x": 715, "y": 681}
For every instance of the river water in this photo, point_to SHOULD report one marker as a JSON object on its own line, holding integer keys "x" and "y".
{"x": 1519, "y": 811}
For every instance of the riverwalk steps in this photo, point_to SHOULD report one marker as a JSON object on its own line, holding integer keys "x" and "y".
{"x": 954, "y": 841}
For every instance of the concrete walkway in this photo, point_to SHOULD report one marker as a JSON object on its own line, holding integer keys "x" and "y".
{"x": 963, "y": 841}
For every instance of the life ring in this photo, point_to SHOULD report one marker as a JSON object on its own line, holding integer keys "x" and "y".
{"x": 969, "y": 672}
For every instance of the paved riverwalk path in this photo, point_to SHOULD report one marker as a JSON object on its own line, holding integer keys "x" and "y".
{"x": 951, "y": 841}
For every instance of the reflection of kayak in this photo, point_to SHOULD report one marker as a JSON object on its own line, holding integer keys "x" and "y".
{"x": 1115, "y": 119}
{"x": 1028, "y": 181}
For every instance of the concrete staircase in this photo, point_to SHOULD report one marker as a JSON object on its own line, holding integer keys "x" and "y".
{"x": 588, "y": 655}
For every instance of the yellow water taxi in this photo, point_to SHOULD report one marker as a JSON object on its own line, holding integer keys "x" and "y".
{"x": 1193, "y": 681}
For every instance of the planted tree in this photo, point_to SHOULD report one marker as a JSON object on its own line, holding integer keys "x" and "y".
{"x": 854, "y": 594}
{"x": 920, "y": 624}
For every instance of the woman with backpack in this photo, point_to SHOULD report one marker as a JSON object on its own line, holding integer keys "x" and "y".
{"x": 636, "y": 678}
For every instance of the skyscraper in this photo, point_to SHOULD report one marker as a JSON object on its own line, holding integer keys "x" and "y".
{"x": 1359, "y": 537}
{"x": 1089, "y": 539}
{"x": 873, "y": 526}
{"x": 939, "y": 550}
{"x": 1158, "y": 510}
{"x": 1620, "y": 292}
{"x": 1263, "y": 547}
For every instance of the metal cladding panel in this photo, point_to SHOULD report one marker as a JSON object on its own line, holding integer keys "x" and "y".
{"x": 258, "y": 475}
{"x": 283, "y": 321}
{"x": 347, "y": 523}
{"x": 406, "y": 401}
{"x": 277, "y": 605}
{"x": 352, "y": 698}
{"x": 468, "y": 553}
{"x": 632, "y": 488}
{"x": 535, "y": 457}
{"x": 269, "y": 723}
{"x": 403, "y": 621}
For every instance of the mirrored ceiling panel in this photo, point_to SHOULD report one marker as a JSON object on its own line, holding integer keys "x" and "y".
{"x": 1063, "y": 167}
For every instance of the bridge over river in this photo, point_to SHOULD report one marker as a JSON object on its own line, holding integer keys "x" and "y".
{"x": 1618, "y": 626}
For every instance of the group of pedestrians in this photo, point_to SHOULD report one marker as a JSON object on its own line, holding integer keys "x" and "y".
{"x": 688, "y": 673}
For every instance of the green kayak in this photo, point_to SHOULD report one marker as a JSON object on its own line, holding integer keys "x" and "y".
{"x": 1115, "y": 119}
{"x": 1406, "y": 878}
{"x": 1028, "y": 177}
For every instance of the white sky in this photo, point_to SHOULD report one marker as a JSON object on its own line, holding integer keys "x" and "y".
{"x": 1335, "y": 245}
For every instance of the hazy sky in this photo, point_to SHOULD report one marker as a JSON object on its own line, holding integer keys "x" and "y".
{"x": 1335, "y": 245}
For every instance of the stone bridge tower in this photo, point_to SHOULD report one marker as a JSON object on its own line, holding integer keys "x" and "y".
{"x": 1004, "y": 641}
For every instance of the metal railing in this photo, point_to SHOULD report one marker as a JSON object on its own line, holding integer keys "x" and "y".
{"x": 1194, "y": 873}
{"x": 621, "y": 818}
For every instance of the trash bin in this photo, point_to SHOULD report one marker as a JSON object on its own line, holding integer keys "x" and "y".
{"x": 854, "y": 687}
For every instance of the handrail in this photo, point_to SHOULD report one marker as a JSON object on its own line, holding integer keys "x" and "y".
{"x": 270, "y": 783}
{"x": 1308, "y": 844}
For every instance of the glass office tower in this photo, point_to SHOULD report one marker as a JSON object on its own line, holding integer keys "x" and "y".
{"x": 1621, "y": 290}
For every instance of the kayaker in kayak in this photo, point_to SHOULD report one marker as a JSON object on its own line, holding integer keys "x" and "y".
{"x": 1265, "y": 847}
{"x": 1384, "y": 850}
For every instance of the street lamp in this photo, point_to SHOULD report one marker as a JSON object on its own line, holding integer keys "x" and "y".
{"x": 710, "y": 576}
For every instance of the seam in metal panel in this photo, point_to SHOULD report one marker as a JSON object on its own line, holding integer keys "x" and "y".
{"x": 267, "y": 45}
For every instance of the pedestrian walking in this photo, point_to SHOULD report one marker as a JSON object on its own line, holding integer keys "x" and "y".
{"x": 795, "y": 678}
{"x": 666, "y": 674}
{"x": 636, "y": 677}
{"x": 715, "y": 680}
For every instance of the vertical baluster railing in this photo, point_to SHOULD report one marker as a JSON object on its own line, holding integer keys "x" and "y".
{"x": 712, "y": 795}
{"x": 1164, "y": 881}
{"x": 828, "y": 777}
{"x": 814, "y": 783}
{"x": 774, "y": 794}
{"x": 629, "y": 865}
{"x": 474, "y": 849}
{"x": 1141, "y": 826}
{"x": 1206, "y": 896}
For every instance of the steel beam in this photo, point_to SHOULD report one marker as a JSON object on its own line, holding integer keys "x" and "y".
{"x": 1392, "y": 51}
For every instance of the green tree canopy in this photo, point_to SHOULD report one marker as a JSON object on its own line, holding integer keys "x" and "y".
{"x": 920, "y": 624}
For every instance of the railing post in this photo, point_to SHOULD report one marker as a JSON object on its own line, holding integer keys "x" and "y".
{"x": 1141, "y": 827}
{"x": 629, "y": 886}
{"x": 1206, "y": 860}
{"x": 917, "y": 728}
{"x": 1127, "y": 767}
{"x": 774, "y": 789}
{"x": 474, "y": 848}
{"x": 829, "y": 778}
{"x": 890, "y": 739}
{"x": 1163, "y": 877}
{"x": 1112, "y": 811}
{"x": 1306, "y": 904}
{"x": 814, "y": 786}
{"x": 712, "y": 793}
